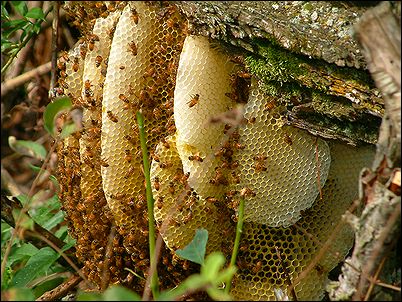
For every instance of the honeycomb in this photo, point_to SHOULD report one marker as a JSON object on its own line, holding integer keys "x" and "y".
{"x": 261, "y": 271}
{"x": 181, "y": 208}
{"x": 195, "y": 103}
{"x": 280, "y": 164}
{"x": 211, "y": 138}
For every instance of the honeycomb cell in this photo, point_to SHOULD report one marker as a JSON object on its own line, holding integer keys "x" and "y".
{"x": 179, "y": 211}
{"x": 195, "y": 103}
{"x": 290, "y": 177}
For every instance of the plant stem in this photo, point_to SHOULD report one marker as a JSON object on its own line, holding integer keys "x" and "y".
{"x": 150, "y": 205}
{"x": 239, "y": 230}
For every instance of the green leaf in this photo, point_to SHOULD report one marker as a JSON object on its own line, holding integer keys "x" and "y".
{"x": 53, "y": 109}
{"x": 26, "y": 222}
{"x": 89, "y": 297}
{"x": 35, "y": 13}
{"x": 28, "y": 148}
{"x": 54, "y": 220}
{"x": 23, "y": 253}
{"x": 195, "y": 250}
{"x": 213, "y": 263}
{"x": 47, "y": 286}
{"x": 24, "y": 199}
{"x": 193, "y": 282}
{"x": 217, "y": 294}
{"x": 119, "y": 293}
{"x": 37, "y": 265}
{"x": 20, "y": 6}
{"x": 68, "y": 129}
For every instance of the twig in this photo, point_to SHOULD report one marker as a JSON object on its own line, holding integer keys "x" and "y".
{"x": 285, "y": 270}
{"x": 55, "y": 31}
{"x": 7, "y": 205}
{"x": 61, "y": 290}
{"x": 323, "y": 250}
{"x": 25, "y": 208}
{"x": 21, "y": 46}
{"x": 72, "y": 264}
{"x": 11, "y": 84}
{"x": 21, "y": 60}
{"x": 366, "y": 270}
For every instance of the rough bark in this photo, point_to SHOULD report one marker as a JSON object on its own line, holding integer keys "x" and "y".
{"x": 378, "y": 228}
{"x": 306, "y": 54}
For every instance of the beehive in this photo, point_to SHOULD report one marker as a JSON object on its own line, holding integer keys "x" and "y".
{"x": 202, "y": 161}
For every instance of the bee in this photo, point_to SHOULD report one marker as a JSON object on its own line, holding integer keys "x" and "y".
{"x": 83, "y": 51}
{"x": 244, "y": 75}
{"x": 118, "y": 196}
{"x": 121, "y": 67}
{"x": 184, "y": 178}
{"x": 157, "y": 113}
{"x": 186, "y": 265}
{"x": 196, "y": 157}
{"x": 88, "y": 161}
{"x": 239, "y": 146}
{"x": 257, "y": 267}
{"x": 171, "y": 129}
{"x": 111, "y": 31}
{"x": 169, "y": 38}
{"x": 134, "y": 15}
{"x": 63, "y": 83}
{"x": 159, "y": 202}
{"x": 128, "y": 157}
{"x": 165, "y": 143}
{"x": 155, "y": 156}
{"x": 103, "y": 163}
{"x": 194, "y": 100}
{"x": 103, "y": 72}
{"x": 76, "y": 65}
{"x": 112, "y": 117}
{"x": 247, "y": 192}
{"x": 123, "y": 98}
{"x": 133, "y": 48}
{"x": 269, "y": 106}
{"x": 87, "y": 87}
{"x": 288, "y": 139}
{"x": 188, "y": 217}
{"x": 211, "y": 199}
{"x": 236, "y": 177}
{"x": 260, "y": 157}
{"x": 130, "y": 138}
{"x": 88, "y": 152}
{"x": 98, "y": 61}
{"x": 157, "y": 183}
{"x": 91, "y": 41}
{"x": 170, "y": 23}
{"x": 141, "y": 199}
{"x": 165, "y": 165}
{"x": 150, "y": 72}
{"x": 219, "y": 178}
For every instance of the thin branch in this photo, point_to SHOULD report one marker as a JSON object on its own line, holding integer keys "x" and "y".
{"x": 12, "y": 84}
{"x": 7, "y": 205}
{"x": 61, "y": 290}
{"x": 55, "y": 32}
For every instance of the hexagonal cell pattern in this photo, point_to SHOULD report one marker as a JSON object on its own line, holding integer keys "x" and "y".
{"x": 298, "y": 185}
{"x": 179, "y": 211}
{"x": 284, "y": 167}
{"x": 261, "y": 271}
{"x": 195, "y": 103}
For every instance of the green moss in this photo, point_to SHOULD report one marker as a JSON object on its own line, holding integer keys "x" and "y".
{"x": 275, "y": 63}
{"x": 323, "y": 94}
